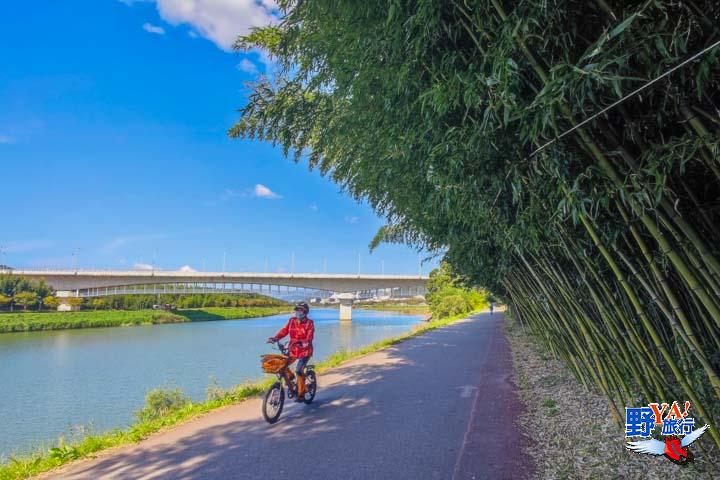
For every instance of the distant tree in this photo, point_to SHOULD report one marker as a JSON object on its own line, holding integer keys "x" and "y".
{"x": 51, "y": 302}
{"x": 7, "y": 284}
{"x": 12, "y": 285}
{"x": 440, "y": 278}
{"x": 26, "y": 299}
{"x": 98, "y": 303}
{"x": 5, "y": 300}
{"x": 74, "y": 301}
{"x": 449, "y": 295}
{"x": 42, "y": 289}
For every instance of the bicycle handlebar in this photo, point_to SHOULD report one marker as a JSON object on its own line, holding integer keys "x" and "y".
{"x": 281, "y": 346}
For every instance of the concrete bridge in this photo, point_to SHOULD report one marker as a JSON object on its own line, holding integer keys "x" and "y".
{"x": 89, "y": 283}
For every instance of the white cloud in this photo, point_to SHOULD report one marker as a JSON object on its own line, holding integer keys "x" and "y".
{"x": 259, "y": 191}
{"x": 262, "y": 191}
{"x": 187, "y": 268}
{"x": 352, "y": 219}
{"x": 143, "y": 267}
{"x": 247, "y": 66}
{"x": 149, "y": 27}
{"x": 220, "y": 21}
{"x": 6, "y": 139}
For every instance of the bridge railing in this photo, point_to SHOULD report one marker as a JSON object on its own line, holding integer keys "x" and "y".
{"x": 192, "y": 288}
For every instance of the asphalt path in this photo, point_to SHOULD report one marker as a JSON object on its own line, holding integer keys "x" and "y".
{"x": 438, "y": 406}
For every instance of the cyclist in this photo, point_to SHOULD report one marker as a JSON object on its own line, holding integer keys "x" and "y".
{"x": 302, "y": 331}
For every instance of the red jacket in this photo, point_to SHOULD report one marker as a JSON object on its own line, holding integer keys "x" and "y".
{"x": 299, "y": 332}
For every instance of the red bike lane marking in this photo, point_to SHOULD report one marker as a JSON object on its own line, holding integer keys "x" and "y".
{"x": 493, "y": 445}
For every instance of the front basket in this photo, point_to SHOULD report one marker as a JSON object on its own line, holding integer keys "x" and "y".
{"x": 273, "y": 363}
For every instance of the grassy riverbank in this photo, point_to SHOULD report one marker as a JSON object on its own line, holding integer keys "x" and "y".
{"x": 33, "y": 321}
{"x": 394, "y": 307}
{"x": 34, "y": 464}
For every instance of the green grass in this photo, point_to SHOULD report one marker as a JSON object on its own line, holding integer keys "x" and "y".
{"x": 551, "y": 406}
{"x": 389, "y": 307}
{"x": 34, "y": 321}
{"x": 43, "y": 461}
{"x": 229, "y": 313}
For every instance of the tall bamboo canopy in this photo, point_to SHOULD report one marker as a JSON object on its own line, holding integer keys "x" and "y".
{"x": 606, "y": 242}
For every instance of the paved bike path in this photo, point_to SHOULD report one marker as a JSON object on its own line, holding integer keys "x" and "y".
{"x": 439, "y": 406}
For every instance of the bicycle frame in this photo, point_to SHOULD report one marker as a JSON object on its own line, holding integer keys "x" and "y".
{"x": 287, "y": 374}
{"x": 274, "y": 397}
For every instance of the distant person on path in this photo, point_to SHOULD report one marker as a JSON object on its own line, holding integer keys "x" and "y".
{"x": 491, "y": 308}
{"x": 302, "y": 331}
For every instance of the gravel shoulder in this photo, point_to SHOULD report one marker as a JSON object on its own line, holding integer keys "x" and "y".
{"x": 573, "y": 435}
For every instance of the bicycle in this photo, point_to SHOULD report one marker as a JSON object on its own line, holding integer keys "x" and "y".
{"x": 279, "y": 364}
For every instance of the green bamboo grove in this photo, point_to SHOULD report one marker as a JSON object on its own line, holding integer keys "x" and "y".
{"x": 605, "y": 243}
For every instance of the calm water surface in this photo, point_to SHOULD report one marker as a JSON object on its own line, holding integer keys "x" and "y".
{"x": 53, "y": 381}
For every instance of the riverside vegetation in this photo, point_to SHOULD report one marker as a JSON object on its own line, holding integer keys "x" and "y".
{"x": 168, "y": 407}
{"x": 447, "y": 296}
{"x": 19, "y": 291}
{"x": 187, "y": 300}
{"x": 410, "y": 306}
{"x": 27, "y": 322}
{"x": 460, "y": 123}
{"x": 395, "y": 307}
{"x": 122, "y": 310}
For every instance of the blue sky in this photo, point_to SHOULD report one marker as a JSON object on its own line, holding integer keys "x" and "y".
{"x": 113, "y": 148}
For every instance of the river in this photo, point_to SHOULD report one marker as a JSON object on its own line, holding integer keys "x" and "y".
{"x": 52, "y": 382}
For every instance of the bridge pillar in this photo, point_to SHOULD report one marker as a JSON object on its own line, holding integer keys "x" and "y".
{"x": 346, "y": 301}
{"x": 69, "y": 301}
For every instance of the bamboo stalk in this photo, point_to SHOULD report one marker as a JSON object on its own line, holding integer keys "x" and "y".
{"x": 649, "y": 327}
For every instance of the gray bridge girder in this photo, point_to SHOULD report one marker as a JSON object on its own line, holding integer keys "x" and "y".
{"x": 101, "y": 283}
{"x": 341, "y": 283}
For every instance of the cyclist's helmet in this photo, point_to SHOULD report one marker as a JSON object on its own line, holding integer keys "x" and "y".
{"x": 302, "y": 306}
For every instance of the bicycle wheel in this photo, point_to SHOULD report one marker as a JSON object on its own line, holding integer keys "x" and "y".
{"x": 310, "y": 385}
{"x": 273, "y": 403}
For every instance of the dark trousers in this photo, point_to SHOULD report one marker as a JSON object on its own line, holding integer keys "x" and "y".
{"x": 300, "y": 365}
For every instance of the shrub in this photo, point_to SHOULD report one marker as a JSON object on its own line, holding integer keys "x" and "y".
{"x": 159, "y": 402}
{"x": 5, "y": 300}
{"x": 214, "y": 391}
{"x": 447, "y": 297}
{"x": 51, "y": 302}
{"x": 26, "y": 299}
{"x": 449, "y": 306}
